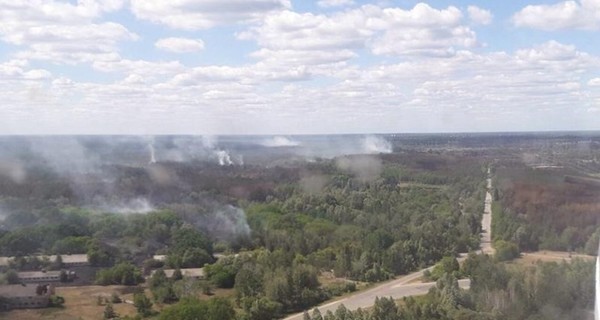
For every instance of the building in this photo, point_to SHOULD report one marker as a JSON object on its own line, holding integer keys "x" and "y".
{"x": 72, "y": 260}
{"x": 196, "y": 273}
{"x": 21, "y": 296}
{"x": 43, "y": 276}
{"x": 68, "y": 260}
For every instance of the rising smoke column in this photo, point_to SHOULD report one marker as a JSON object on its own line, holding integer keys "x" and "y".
{"x": 374, "y": 145}
{"x": 152, "y": 152}
{"x": 224, "y": 158}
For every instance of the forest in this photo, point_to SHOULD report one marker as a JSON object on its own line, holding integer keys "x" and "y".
{"x": 285, "y": 236}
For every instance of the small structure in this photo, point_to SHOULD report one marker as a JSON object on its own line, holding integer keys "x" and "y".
{"x": 68, "y": 260}
{"x": 72, "y": 260}
{"x": 44, "y": 276}
{"x": 195, "y": 273}
{"x": 25, "y": 296}
{"x": 160, "y": 257}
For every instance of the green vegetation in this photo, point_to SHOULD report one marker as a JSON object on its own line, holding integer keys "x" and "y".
{"x": 124, "y": 273}
{"x": 545, "y": 291}
{"x": 353, "y": 219}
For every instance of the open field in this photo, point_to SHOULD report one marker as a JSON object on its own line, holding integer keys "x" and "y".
{"x": 548, "y": 256}
{"x": 81, "y": 303}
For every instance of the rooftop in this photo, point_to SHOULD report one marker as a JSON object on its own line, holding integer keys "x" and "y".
{"x": 188, "y": 273}
{"x": 37, "y": 274}
{"x": 18, "y": 290}
{"x": 66, "y": 258}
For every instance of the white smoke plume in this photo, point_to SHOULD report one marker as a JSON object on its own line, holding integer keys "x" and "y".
{"x": 13, "y": 170}
{"x": 136, "y": 205}
{"x": 374, "y": 145}
{"x": 152, "y": 152}
{"x": 364, "y": 167}
{"x": 66, "y": 155}
{"x": 313, "y": 184}
{"x": 224, "y": 158}
{"x": 228, "y": 223}
{"x": 279, "y": 141}
{"x": 209, "y": 142}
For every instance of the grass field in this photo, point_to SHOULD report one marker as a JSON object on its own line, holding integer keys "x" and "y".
{"x": 81, "y": 303}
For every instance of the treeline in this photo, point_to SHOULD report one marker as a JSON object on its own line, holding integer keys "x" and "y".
{"x": 547, "y": 290}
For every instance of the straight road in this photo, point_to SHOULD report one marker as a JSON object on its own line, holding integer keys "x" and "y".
{"x": 486, "y": 221}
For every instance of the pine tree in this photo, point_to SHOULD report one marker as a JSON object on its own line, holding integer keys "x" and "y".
{"x": 109, "y": 311}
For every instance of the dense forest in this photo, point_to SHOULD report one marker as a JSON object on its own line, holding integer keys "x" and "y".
{"x": 285, "y": 236}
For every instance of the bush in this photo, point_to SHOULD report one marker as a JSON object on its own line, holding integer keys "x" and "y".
{"x": 123, "y": 273}
{"x": 506, "y": 250}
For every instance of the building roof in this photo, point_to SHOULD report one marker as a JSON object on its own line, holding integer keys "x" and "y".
{"x": 18, "y": 290}
{"x": 38, "y": 274}
{"x": 71, "y": 258}
{"x": 159, "y": 257}
{"x": 66, "y": 258}
{"x": 188, "y": 273}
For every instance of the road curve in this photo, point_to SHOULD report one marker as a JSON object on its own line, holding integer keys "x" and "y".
{"x": 396, "y": 289}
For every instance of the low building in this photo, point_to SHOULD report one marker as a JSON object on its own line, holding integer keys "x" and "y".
{"x": 196, "y": 273}
{"x": 72, "y": 260}
{"x": 68, "y": 260}
{"x": 160, "y": 257}
{"x": 22, "y": 296}
{"x": 44, "y": 276}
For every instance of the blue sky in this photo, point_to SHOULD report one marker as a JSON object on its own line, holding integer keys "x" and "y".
{"x": 298, "y": 67}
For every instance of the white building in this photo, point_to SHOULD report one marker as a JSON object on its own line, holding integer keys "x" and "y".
{"x": 20, "y": 296}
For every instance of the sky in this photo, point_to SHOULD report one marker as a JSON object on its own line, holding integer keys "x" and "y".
{"x": 298, "y": 67}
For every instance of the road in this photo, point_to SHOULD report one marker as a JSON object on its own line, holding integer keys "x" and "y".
{"x": 402, "y": 287}
{"x": 486, "y": 221}
{"x": 396, "y": 289}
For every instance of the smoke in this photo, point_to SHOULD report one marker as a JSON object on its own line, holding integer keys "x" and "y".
{"x": 220, "y": 222}
{"x": 209, "y": 142}
{"x": 13, "y": 170}
{"x": 279, "y": 141}
{"x": 152, "y": 152}
{"x": 313, "y": 184}
{"x": 162, "y": 175}
{"x": 374, "y": 144}
{"x": 65, "y": 155}
{"x": 136, "y": 205}
{"x": 228, "y": 223}
{"x": 224, "y": 158}
{"x": 364, "y": 167}
{"x": 206, "y": 148}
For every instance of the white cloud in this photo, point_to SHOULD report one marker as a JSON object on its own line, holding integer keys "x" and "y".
{"x": 62, "y": 32}
{"x": 595, "y": 82}
{"x": 292, "y": 38}
{"x": 195, "y": 15}
{"x": 422, "y": 31}
{"x": 180, "y": 45}
{"x": 334, "y": 3}
{"x": 479, "y": 16}
{"x": 18, "y": 70}
{"x": 582, "y": 14}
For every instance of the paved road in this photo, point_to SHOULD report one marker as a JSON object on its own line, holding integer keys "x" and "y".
{"x": 486, "y": 221}
{"x": 396, "y": 289}
{"x": 402, "y": 287}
